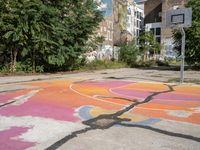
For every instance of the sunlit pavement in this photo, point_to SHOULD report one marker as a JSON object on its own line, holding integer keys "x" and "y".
{"x": 100, "y": 114}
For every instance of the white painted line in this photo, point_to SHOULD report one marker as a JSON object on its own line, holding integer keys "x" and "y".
{"x": 97, "y": 99}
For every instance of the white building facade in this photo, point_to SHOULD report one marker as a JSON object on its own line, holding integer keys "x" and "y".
{"x": 135, "y": 19}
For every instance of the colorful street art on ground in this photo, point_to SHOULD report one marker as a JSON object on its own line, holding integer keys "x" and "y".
{"x": 38, "y": 117}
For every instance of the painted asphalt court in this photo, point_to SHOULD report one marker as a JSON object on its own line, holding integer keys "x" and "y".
{"x": 49, "y": 114}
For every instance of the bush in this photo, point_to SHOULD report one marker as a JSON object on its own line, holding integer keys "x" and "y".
{"x": 5, "y": 69}
{"x": 103, "y": 64}
{"x": 148, "y": 63}
{"x": 25, "y": 66}
{"x": 162, "y": 63}
{"x": 129, "y": 54}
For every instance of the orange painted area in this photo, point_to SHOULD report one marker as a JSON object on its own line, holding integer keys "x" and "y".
{"x": 62, "y": 95}
{"x": 163, "y": 107}
{"x": 194, "y": 118}
{"x": 91, "y": 90}
{"x": 188, "y": 89}
{"x": 147, "y": 86}
{"x": 69, "y": 94}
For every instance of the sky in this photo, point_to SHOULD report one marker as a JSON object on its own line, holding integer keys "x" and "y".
{"x": 106, "y": 7}
{"x": 138, "y": 1}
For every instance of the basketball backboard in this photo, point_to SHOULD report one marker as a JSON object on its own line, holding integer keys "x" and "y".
{"x": 181, "y": 17}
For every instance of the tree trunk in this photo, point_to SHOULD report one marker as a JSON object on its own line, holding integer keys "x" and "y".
{"x": 145, "y": 56}
{"x": 14, "y": 59}
{"x": 11, "y": 60}
{"x": 33, "y": 61}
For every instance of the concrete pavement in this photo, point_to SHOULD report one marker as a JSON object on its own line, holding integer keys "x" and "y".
{"x": 85, "y": 111}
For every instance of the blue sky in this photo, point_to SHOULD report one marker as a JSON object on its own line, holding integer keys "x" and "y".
{"x": 108, "y": 9}
{"x": 138, "y": 0}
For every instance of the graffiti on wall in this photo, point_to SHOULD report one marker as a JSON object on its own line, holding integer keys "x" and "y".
{"x": 105, "y": 52}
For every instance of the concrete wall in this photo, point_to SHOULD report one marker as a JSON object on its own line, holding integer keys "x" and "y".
{"x": 151, "y": 11}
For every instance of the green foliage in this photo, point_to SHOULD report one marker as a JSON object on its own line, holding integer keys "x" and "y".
{"x": 5, "y": 69}
{"x": 162, "y": 63}
{"x": 148, "y": 63}
{"x": 24, "y": 66}
{"x": 192, "y": 36}
{"x": 50, "y": 34}
{"x": 94, "y": 41}
{"x": 149, "y": 44}
{"x": 103, "y": 64}
{"x": 129, "y": 54}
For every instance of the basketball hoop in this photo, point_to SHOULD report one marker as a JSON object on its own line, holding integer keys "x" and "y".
{"x": 179, "y": 19}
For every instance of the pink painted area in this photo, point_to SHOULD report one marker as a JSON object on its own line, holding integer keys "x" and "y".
{"x": 5, "y": 98}
{"x": 131, "y": 93}
{"x": 164, "y": 96}
{"x": 175, "y": 96}
{"x": 40, "y": 110}
{"x": 108, "y": 84}
{"x": 8, "y": 143}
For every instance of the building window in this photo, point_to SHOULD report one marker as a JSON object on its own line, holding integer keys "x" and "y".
{"x": 108, "y": 35}
{"x": 158, "y": 39}
{"x": 111, "y": 36}
{"x": 152, "y": 30}
{"x": 111, "y": 25}
{"x": 138, "y": 32}
{"x": 141, "y": 16}
{"x": 138, "y": 15}
{"x": 157, "y": 31}
{"x": 105, "y": 29}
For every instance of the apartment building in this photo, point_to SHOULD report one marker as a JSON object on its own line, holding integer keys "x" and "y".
{"x": 155, "y": 11}
{"x": 106, "y": 26}
{"x": 135, "y": 19}
{"x": 123, "y": 21}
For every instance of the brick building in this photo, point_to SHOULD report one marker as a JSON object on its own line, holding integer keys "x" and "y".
{"x": 123, "y": 20}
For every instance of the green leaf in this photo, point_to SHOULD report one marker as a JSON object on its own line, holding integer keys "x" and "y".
{"x": 8, "y": 34}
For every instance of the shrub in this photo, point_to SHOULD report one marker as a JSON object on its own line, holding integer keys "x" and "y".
{"x": 129, "y": 54}
{"x": 103, "y": 64}
{"x": 148, "y": 63}
{"x": 162, "y": 63}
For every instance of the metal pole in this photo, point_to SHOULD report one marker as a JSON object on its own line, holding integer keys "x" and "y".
{"x": 113, "y": 21}
{"x": 182, "y": 56}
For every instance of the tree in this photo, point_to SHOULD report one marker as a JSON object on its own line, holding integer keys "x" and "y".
{"x": 148, "y": 43}
{"x": 192, "y": 53}
{"x": 128, "y": 53}
{"x": 50, "y": 33}
{"x": 94, "y": 41}
{"x": 12, "y": 28}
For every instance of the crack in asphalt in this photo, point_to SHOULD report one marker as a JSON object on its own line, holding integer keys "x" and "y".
{"x": 190, "y": 137}
{"x": 99, "y": 122}
{"x": 19, "y": 99}
{"x": 8, "y": 103}
{"x": 120, "y": 98}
